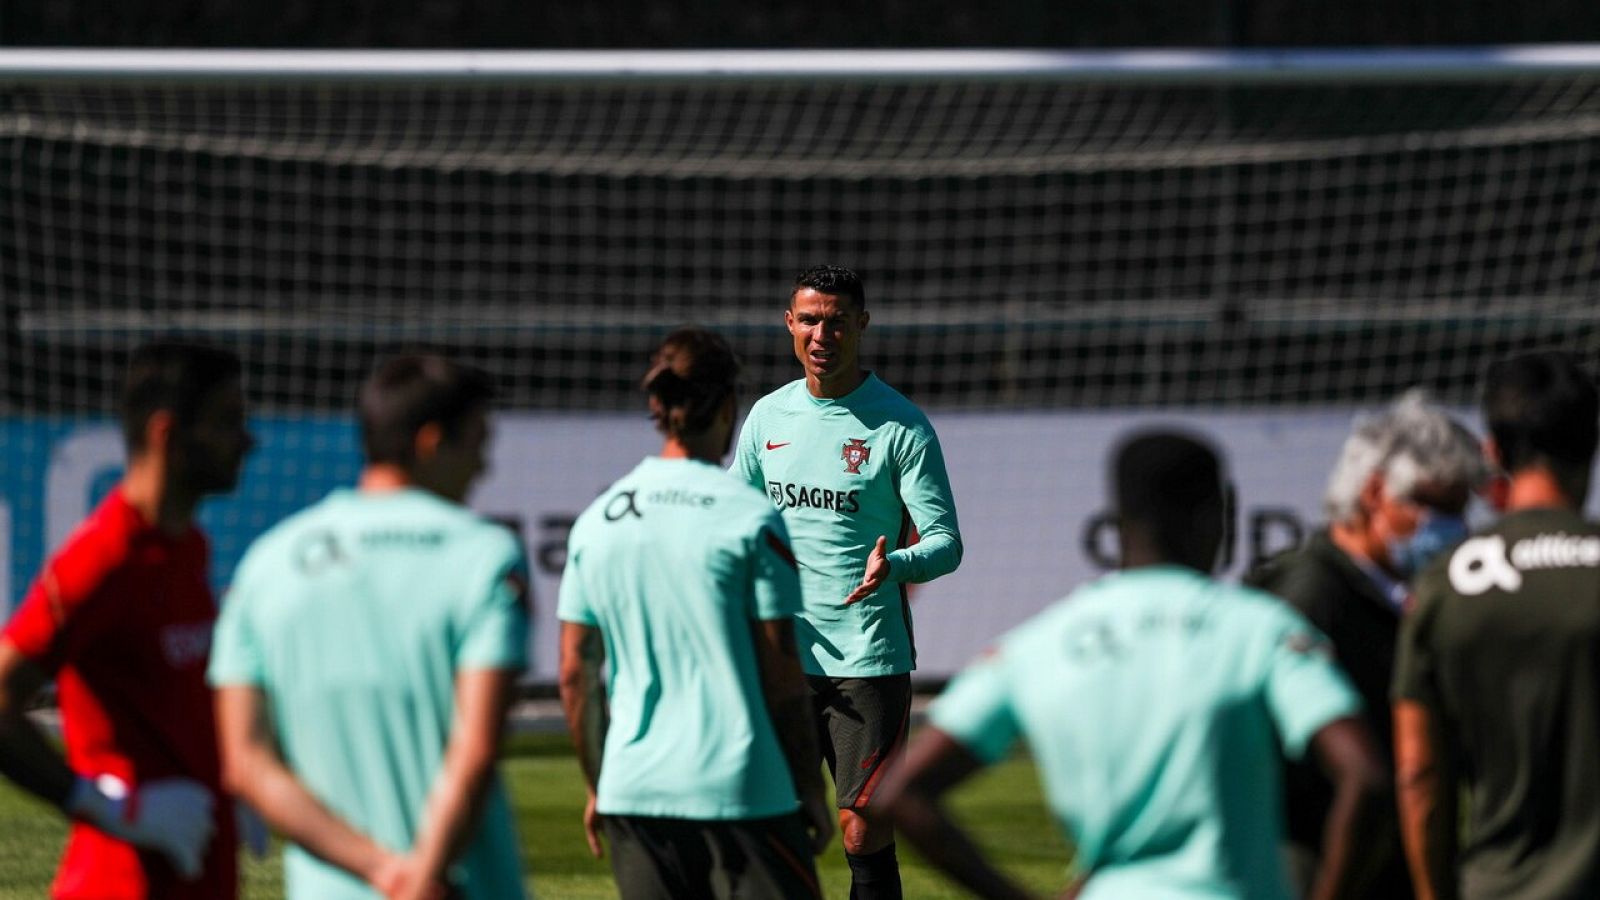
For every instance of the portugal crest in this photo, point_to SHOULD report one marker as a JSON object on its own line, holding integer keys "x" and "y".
{"x": 855, "y": 453}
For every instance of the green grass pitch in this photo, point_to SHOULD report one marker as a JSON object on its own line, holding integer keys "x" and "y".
{"x": 1002, "y": 806}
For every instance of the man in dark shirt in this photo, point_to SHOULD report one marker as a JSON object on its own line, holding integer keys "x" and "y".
{"x": 1497, "y": 684}
{"x": 1395, "y": 498}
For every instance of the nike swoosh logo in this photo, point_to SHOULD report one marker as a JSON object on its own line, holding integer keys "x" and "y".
{"x": 772, "y": 446}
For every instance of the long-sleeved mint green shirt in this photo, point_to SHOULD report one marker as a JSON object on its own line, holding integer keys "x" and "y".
{"x": 844, "y": 473}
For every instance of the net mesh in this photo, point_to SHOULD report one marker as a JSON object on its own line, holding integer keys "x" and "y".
{"x": 1024, "y": 244}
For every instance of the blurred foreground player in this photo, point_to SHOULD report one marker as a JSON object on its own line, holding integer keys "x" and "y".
{"x": 1155, "y": 702}
{"x": 852, "y": 465}
{"x": 122, "y": 618}
{"x": 1497, "y": 686}
{"x": 366, "y": 655}
{"x": 681, "y": 576}
{"x": 1397, "y": 498}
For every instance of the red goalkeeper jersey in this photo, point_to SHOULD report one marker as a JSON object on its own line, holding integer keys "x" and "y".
{"x": 122, "y": 616}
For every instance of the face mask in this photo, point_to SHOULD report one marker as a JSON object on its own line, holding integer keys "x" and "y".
{"x": 1436, "y": 533}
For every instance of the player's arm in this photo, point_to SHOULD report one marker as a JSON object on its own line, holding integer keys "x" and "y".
{"x": 1317, "y": 711}
{"x": 583, "y": 699}
{"x": 253, "y": 770}
{"x": 1426, "y": 776}
{"x": 912, "y": 794}
{"x": 924, "y": 487}
{"x": 1355, "y": 826}
{"x": 483, "y": 696}
{"x": 1426, "y": 768}
{"x": 783, "y": 685}
{"x": 26, "y": 756}
{"x": 773, "y": 598}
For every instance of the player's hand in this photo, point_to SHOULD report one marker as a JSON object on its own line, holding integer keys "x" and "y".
{"x": 253, "y": 833}
{"x": 401, "y": 878}
{"x": 169, "y": 815}
{"x": 877, "y": 572}
{"x": 819, "y": 818}
{"x": 592, "y": 822}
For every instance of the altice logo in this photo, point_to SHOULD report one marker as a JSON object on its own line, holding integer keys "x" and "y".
{"x": 1483, "y": 563}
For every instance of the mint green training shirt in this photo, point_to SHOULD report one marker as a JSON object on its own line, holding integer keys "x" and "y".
{"x": 844, "y": 473}
{"x": 1154, "y": 702}
{"x": 675, "y": 564}
{"x": 355, "y": 616}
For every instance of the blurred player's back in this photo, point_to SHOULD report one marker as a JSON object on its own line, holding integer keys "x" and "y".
{"x": 1508, "y": 634}
{"x": 664, "y": 558}
{"x": 1160, "y": 696}
{"x": 359, "y": 612}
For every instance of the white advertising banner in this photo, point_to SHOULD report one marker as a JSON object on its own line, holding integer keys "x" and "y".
{"x": 1029, "y": 491}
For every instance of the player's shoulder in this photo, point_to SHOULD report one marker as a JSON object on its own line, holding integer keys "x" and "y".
{"x": 303, "y": 519}
{"x": 466, "y": 535}
{"x": 888, "y": 395}
{"x": 99, "y": 547}
{"x": 739, "y": 494}
{"x": 288, "y": 533}
{"x": 1254, "y": 604}
{"x": 779, "y": 400}
{"x": 480, "y": 535}
{"x": 596, "y": 507}
{"x": 104, "y": 539}
{"x": 900, "y": 412}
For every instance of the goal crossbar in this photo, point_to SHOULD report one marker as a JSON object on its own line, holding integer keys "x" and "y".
{"x": 1129, "y": 66}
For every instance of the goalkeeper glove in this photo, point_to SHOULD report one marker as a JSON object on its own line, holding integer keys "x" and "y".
{"x": 169, "y": 815}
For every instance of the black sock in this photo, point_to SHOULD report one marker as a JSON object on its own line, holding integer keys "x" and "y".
{"x": 874, "y": 876}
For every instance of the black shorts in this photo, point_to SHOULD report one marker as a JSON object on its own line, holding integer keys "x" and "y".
{"x": 749, "y": 859}
{"x": 861, "y": 723}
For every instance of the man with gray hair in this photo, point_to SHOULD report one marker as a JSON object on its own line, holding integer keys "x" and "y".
{"x": 1396, "y": 498}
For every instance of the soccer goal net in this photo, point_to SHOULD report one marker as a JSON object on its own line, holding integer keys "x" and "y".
{"x": 1113, "y": 232}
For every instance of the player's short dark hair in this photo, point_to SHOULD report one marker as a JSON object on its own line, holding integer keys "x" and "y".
{"x": 171, "y": 375}
{"x": 692, "y": 374}
{"x": 1168, "y": 481}
{"x": 835, "y": 280}
{"x": 407, "y": 392}
{"x": 1542, "y": 409}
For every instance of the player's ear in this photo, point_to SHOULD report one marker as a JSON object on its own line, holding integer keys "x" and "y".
{"x": 425, "y": 445}
{"x": 158, "y": 430}
{"x": 863, "y": 318}
{"x": 1497, "y": 490}
{"x": 1491, "y": 452}
{"x": 788, "y": 317}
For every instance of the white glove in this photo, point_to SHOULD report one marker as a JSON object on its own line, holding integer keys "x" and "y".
{"x": 253, "y": 832}
{"x": 170, "y": 815}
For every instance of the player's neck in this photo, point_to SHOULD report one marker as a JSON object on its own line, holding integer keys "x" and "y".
{"x": 146, "y": 488}
{"x": 840, "y": 385}
{"x": 1142, "y": 550}
{"x": 383, "y": 478}
{"x": 1537, "y": 488}
{"x": 702, "y": 449}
